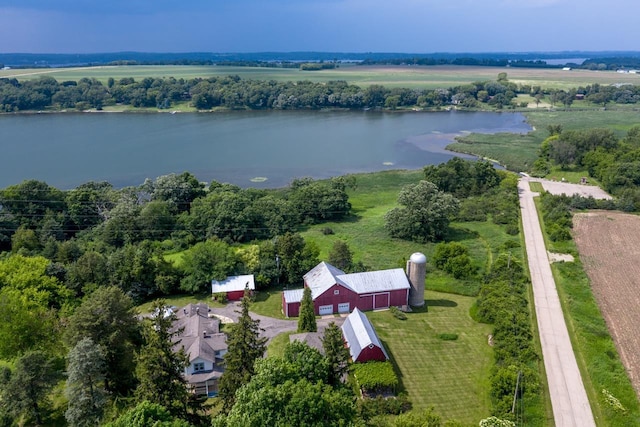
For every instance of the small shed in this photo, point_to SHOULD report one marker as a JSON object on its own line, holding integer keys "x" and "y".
{"x": 362, "y": 339}
{"x": 233, "y": 286}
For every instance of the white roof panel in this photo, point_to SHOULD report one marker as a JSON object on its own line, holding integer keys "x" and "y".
{"x": 233, "y": 283}
{"x": 359, "y": 334}
{"x": 376, "y": 281}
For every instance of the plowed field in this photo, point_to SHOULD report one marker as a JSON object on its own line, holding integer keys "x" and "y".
{"x": 609, "y": 246}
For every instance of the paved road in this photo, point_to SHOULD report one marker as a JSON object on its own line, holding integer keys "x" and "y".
{"x": 568, "y": 397}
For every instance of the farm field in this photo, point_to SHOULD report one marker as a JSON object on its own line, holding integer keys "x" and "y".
{"x": 392, "y": 76}
{"x": 451, "y": 376}
{"x": 609, "y": 251}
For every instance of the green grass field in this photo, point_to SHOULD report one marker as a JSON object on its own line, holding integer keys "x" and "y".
{"x": 391, "y": 76}
{"x": 451, "y": 376}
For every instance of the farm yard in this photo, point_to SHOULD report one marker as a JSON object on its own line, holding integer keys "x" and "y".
{"x": 609, "y": 251}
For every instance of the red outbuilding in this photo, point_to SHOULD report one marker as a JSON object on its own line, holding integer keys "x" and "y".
{"x": 334, "y": 291}
{"x": 362, "y": 339}
{"x": 233, "y": 286}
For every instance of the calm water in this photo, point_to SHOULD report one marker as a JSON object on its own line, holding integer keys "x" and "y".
{"x": 66, "y": 150}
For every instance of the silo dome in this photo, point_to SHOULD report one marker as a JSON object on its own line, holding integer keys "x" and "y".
{"x": 417, "y": 272}
{"x": 418, "y": 258}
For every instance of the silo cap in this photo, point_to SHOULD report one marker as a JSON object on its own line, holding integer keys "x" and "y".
{"x": 418, "y": 258}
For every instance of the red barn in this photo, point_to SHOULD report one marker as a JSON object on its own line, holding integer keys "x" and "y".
{"x": 233, "y": 286}
{"x": 362, "y": 339}
{"x": 334, "y": 291}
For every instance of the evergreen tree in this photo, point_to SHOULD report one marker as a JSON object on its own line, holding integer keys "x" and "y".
{"x": 159, "y": 368}
{"x": 307, "y": 317}
{"x": 336, "y": 353}
{"x": 24, "y": 390}
{"x": 244, "y": 347}
{"x": 85, "y": 384}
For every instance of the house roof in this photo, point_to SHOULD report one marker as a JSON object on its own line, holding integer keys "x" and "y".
{"x": 313, "y": 339}
{"x": 359, "y": 334}
{"x": 200, "y": 334}
{"x": 233, "y": 283}
{"x": 323, "y": 276}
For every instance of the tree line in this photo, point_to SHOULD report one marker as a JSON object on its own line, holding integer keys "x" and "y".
{"x": 232, "y": 92}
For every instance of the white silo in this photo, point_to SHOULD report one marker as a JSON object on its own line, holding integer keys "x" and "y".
{"x": 417, "y": 273}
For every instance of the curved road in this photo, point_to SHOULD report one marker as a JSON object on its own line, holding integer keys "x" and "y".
{"x": 568, "y": 397}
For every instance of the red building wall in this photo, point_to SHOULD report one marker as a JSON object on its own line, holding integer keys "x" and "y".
{"x": 328, "y": 297}
{"x": 368, "y": 354}
{"x": 235, "y": 295}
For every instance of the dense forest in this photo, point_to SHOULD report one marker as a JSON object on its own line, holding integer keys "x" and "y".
{"x": 232, "y": 92}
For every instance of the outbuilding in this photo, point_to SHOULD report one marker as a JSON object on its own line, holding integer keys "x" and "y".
{"x": 361, "y": 338}
{"x": 233, "y": 286}
{"x": 334, "y": 291}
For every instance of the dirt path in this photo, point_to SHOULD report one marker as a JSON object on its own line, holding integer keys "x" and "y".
{"x": 568, "y": 396}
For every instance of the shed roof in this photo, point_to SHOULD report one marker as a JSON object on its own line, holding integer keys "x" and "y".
{"x": 233, "y": 283}
{"x": 359, "y": 334}
{"x": 293, "y": 295}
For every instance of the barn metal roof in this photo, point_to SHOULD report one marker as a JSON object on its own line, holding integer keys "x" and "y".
{"x": 359, "y": 334}
{"x": 233, "y": 283}
{"x": 293, "y": 295}
{"x": 322, "y": 277}
{"x": 376, "y": 281}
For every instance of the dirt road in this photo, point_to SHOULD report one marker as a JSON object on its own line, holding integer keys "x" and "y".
{"x": 568, "y": 397}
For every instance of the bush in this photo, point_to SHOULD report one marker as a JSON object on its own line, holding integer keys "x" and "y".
{"x": 220, "y": 297}
{"x": 375, "y": 376}
{"x": 371, "y": 407}
{"x": 327, "y": 231}
{"x": 447, "y": 337}
{"x": 397, "y": 313}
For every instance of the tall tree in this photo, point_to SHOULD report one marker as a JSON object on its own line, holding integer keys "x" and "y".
{"x": 24, "y": 391}
{"x": 159, "y": 368}
{"x": 307, "y": 316}
{"x": 245, "y": 346}
{"x": 85, "y": 384}
{"x": 424, "y": 215}
{"x": 336, "y": 353}
{"x": 107, "y": 316}
{"x": 341, "y": 256}
{"x": 213, "y": 259}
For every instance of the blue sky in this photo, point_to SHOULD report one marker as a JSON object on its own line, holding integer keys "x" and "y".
{"x": 82, "y": 26}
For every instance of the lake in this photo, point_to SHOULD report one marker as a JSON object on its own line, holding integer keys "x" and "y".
{"x": 250, "y": 149}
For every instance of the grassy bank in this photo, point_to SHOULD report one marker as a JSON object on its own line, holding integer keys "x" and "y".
{"x": 518, "y": 152}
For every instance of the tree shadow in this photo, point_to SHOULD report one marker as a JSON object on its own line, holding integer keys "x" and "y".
{"x": 459, "y": 234}
{"x": 440, "y": 303}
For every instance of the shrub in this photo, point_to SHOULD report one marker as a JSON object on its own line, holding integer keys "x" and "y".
{"x": 375, "y": 376}
{"x": 397, "y": 313}
{"x": 371, "y": 407}
{"x": 327, "y": 231}
{"x": 448, "y": 337}
{"x": 220, "y": 297}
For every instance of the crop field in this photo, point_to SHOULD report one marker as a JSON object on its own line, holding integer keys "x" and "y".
{"x": 423, "y": 77}
{"x": 609, "y": 250}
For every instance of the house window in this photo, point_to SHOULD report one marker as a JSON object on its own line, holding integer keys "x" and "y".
{"x": 198, "y": 367}
{"x": 336, "y": 292}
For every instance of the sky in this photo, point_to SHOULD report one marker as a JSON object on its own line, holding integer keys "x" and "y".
{"x": 416, "y": 26}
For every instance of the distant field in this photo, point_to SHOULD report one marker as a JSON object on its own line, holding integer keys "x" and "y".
{"x": 391, "y": 76}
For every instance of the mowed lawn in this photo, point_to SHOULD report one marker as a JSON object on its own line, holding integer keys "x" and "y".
{"x": 451, "y": 376}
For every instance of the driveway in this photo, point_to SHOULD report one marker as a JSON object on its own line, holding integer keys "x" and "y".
{"x": 270, "y": 326}
{"x": 566, "y": 389}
